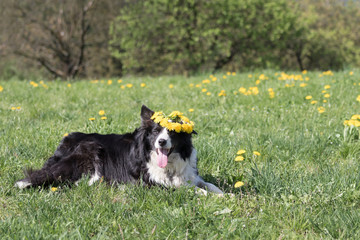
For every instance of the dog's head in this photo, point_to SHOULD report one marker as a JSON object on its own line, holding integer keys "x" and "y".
{"x": 164, "y": 141}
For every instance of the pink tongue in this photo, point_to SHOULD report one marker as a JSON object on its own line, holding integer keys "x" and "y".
{"x": 162, "y": 158}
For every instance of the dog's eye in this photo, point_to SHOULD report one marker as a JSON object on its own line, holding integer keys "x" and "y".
{"x": 155, "y": 131}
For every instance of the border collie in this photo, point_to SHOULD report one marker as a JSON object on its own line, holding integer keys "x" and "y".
{"x": 151, "y": 153}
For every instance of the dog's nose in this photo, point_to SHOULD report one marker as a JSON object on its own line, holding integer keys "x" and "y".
{"x": 162, "y": 142}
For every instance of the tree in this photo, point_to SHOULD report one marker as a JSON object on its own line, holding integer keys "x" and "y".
{"x": 54, "y": 33}
{"x": 67, "y": 38}
{"x": 329, "y": 36}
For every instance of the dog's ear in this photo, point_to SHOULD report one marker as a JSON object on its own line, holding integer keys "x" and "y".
{"x": 146, "y": 113}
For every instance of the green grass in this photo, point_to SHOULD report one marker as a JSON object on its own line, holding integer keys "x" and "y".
{"x": 305, "y": 184}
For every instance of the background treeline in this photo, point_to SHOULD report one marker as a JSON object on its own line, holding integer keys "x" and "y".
{"x": 100, "y": 38}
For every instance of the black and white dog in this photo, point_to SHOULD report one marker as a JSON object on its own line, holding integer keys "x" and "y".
{"x": 151, "y": 153}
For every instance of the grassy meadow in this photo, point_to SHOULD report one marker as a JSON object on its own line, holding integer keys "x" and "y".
{"x": 299, "y": 176}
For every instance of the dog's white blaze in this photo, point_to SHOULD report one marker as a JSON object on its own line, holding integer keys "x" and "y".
{"x": 22, "y": 184}
{"x": 164, "y": 134}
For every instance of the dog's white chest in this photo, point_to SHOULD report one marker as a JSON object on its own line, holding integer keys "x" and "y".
{"x": 177, "y": 172}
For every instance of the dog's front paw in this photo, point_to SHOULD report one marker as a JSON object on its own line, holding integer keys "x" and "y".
{"x": 201, "y": 191}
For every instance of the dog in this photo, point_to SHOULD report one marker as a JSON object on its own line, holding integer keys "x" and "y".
{"x": 152, "y": 154}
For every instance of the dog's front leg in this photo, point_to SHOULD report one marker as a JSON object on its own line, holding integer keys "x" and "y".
{"x": 205, "y": 186}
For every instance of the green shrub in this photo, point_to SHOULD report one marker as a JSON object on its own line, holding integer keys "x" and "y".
{"x": 163, "y": 36}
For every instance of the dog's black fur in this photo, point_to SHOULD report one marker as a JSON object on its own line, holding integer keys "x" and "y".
{"x": 119, "y": 158}
{"x": 116, "y": 158}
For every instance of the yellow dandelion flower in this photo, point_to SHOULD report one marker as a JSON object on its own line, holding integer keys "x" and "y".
{"x": 328, "y": 73}
{"x": 69, "y": 85}
{"x": 188, "y": 128}
{"x": 321, "y": 109}
{"x": 208, "y": 93}
{"x": 327, "y": 87}
{"x": 185, "y": 119}
{"x": 238, "y": 184}
{"x": 228, "y": 73}
{"x": 241, "y": 151}
{"x": 198, "y": 85}
{"x": 327, "y": 95}
{"x": 351, "y": 73}
{"x": 162, "y": 121}
{"x": 224, "y": 77}
{"x": 170, "y": 126}
{"x": 109, "y": 82}
{"x": 103, "y": 118}
{"x": 206, "y": 81}
{"x": 142, "y": 85}
{"x": 308, "y": 97}
{"x": 263, "y": 77}
{"x": 352, "y": 122}
{"x": 191, "y": 85}
{"x": 222, "y": 93}
{"x": 242, "y": 90}
{"x": 356, "y": 123}
{"x": 233, "y": 73}
{"x": 92, "y": 119}
{"x": 307, "y": 79}
{"x": 304, "y": 72}
{"x": 122, "y": 87}
{"x": 314, "y": 102}
{"x": 257, "y": 82}
{"x": 158, "y": 119}
{"x": 13, "y": 108}
{"x": 355, "y": 117}
{"x": 239, "y": 158}
{"x": 303, "y": 85}
{"x": 129, "y": 85}
{"x": 45, "y": 86}
{"x": 325, "y": 101}
{"x": 119, "y": 81}
{"x": 256, "y": 153}
{"x": 254, "y": 90}
{"x": 171, "y": 85}
{"x": 175, "y": 114}
{"x": 358, "y": 98}
{"x": 191, "y": 110}
{"x": 65, "y": 135}
{"x": 214, "y": 79}
{"x": 204, "y": 90}
{"x": 1, "y": 89}
{"x": 53, "y": 189}
{"x": 156, "y": 114}
{"x": 101, "y": 112}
